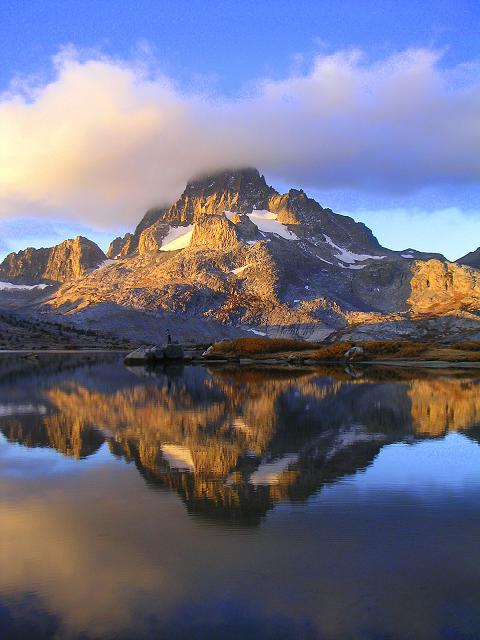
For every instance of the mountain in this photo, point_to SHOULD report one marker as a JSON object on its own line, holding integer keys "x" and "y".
{"x": 233, "y": 254}
{"x": 241, "y": 192}
{"x": 65, "y": 261}
{"x": 211, "y": 436}
{"x": 471, "y": 259}
{"x": 119, "y": 246}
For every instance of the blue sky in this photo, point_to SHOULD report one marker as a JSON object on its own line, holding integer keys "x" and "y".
{"x": 228, "y": 41}
{"x": 224, "y": 50}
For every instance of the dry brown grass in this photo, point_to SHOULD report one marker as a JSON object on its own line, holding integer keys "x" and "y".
{"x": 397, "y": 348}
{"x": 255, "y": 346}
{"x": 248, "y": 347}
{"x": 374, "y": 349}
{"x": 467, "y": 346}
{"x": 452, "y": 354}
{"x": 334, "y": 351}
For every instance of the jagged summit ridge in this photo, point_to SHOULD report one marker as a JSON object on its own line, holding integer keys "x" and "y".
{"x": 234, "y": 251}
{"x": 239, "y": 191}
{"x": 235, "y": 254}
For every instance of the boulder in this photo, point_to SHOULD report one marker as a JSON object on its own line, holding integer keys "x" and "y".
{"x": 155, "y": 353}
{"x": 139, "y": 356}
{"x": 354, "y": 353}
{"x": 173, "y": 352}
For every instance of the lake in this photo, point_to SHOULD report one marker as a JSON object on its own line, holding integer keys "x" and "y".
{"x": 237, "y": 503}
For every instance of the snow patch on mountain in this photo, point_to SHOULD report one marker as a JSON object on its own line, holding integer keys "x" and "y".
{"x": 348, "y": 256}
{"x": 352, "y": 266}
{"x": 8, "y": 285}
{"x": 267, "y": 221}
{"x": 256, "y": 332}
{"x": 240, "y": 269}
{"x": 177, "y": 238}
{"x": 105, "y": 263}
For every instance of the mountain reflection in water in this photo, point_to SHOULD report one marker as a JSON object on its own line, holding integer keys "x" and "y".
{"x": 232, "y": 444}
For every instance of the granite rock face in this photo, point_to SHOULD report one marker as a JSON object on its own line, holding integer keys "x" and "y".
{"x": 438, "y": 287}
{"x": 119, "y": 246}
{"x": 241, "y": 192}
{"x": 234, "y": 253}
{"x": 65, "y": 261}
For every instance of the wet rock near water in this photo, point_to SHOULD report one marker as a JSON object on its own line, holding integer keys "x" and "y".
{"x": 155, "y": 353}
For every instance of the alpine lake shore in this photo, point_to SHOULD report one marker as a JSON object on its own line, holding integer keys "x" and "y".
{"x": 252, "y": 351}
{"x": 282, "y": 351}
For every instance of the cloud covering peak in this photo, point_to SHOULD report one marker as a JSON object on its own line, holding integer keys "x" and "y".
{"x": 104, "y": 139}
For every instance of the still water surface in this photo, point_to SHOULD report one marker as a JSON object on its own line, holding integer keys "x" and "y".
{"x": 196, "y": 503}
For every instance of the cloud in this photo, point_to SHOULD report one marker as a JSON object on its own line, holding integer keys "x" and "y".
{"x": 104, "y": 139}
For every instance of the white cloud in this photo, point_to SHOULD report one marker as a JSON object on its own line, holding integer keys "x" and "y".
{"x": 105, "y": 139}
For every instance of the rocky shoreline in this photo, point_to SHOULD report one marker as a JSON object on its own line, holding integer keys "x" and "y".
{"x": 280, "y": 352}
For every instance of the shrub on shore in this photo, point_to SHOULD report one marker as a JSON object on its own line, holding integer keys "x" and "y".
{"x": 248, "y": 347}
{"x": 373, "y": 349}
{"x": 467, "y": 346}
{"x": 256, "y": 346}
{"x": 335, "y": 352}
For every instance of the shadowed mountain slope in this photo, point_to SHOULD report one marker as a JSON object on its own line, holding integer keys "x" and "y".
{"x": 471, "y": 259}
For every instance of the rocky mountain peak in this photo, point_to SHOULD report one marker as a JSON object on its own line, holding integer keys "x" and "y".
{"x": 242, "y": 192}
{"x": 234, "y": 252}
{"x": 119, "y": 246}
{"x": 69, "y": 259}
{"x": 236, "y": 190}
{"x": 246, "y": 183}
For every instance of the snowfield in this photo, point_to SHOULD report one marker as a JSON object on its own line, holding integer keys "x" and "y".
{"x": 347, "y": 256}
{"x": 240, "y": 269}
{"x": 267, "y": 222}
{"x": 4, "y": 286}
{"x": 256, "y": 332}
{"x": 177, "y": 238}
